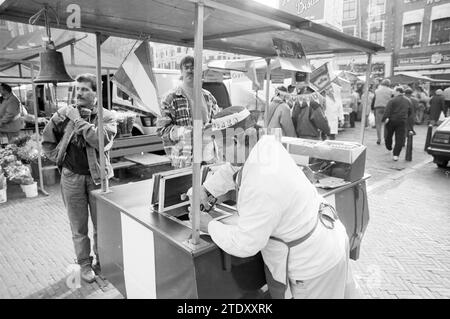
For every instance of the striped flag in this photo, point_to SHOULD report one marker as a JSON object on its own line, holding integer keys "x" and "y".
{"x": 135, "y": 77}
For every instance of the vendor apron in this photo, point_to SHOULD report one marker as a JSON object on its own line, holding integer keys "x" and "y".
{"x": 277, "y": 289}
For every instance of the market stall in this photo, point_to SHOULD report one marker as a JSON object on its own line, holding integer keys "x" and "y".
{"x": 145, "y": 249}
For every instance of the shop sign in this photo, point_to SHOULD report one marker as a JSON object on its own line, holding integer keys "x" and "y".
{"x": 320, "y": 11}
{"x": 436, "y": 58}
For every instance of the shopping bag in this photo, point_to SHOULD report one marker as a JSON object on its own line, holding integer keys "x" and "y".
{"x": 371, "y": 119}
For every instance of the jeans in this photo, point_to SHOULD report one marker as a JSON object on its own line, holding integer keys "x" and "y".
{"x": 399, "y": 129}
{"x": 76, "y": 192}
{"x": 379, "y": 112}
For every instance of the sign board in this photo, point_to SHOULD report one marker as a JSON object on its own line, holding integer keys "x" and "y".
{"x": 288, "y": 49}
{"x": 321, "y": 77}
{"x": 277, "y": 77}
{"x": 327, "y": 12}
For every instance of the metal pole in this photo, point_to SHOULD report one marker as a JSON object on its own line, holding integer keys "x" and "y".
{"x": 366, "y": 96}
{"x": 266, "y": 110}
{"x": 38, "y": 136}
{"x": 101, "y": 141}
{"x": 198, "y": 123}
{"x": 108, "y": 89}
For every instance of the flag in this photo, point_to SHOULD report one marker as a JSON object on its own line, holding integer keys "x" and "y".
{"x": 135, "y": 77}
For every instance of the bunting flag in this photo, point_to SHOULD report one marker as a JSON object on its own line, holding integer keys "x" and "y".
{"x": 135, "y": 77}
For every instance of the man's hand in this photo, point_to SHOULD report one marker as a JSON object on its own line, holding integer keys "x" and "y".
{"x": 73, "y": 114}
{"x": 203, "y": 198}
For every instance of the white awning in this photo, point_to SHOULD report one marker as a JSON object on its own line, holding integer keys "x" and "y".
{"x": 440, "y": 12}
{"x": 415, "y": 16}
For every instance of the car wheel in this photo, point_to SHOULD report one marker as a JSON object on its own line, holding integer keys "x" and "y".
{"x": 442, "y": 163}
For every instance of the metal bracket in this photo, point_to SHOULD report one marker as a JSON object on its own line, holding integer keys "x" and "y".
{"x": 201, "y": 243}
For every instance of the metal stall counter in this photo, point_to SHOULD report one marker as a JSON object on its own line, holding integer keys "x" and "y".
{"x": 143, "y": 232}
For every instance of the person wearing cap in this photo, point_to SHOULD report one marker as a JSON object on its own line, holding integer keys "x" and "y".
{"x": 396, "y": 115}
{"x": 280, "y": 213}
{"x": 175, "y": 125}
{"x": 423, "y": 98}
{"x": 383, "y": 95}
{"x": 437, "y": 105}
{"x": 279, "y": 113}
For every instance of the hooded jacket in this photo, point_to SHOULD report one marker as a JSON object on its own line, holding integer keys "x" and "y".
{"x": 308, "y": 120}
{"x": 279, "y": 116}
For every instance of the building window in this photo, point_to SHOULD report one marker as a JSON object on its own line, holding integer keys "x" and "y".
{"x": 178, "y": 49}
{"x": 440, "y": 31}
{"x": 20, "y": 27}
{"x": 377, "y": 7}
{"x": 349, "y": 12}
{"x": 411, "y": 35}
{"x": 349, "y": 29}
{"x": 376, "y": 32}
{"x": 2, "y": 22}
{"x": 30, "y": 28}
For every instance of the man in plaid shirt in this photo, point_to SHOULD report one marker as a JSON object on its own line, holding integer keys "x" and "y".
{"x": 175, "y": 125}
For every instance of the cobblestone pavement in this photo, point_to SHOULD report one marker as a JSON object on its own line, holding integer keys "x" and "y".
{"x": 405, "y": 252}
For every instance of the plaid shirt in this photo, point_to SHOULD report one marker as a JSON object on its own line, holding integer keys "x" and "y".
{"x": 175, "y": 125}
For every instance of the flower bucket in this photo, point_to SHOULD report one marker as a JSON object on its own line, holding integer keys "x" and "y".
{"x": 3, "y": 197}
{"x": 30, "y": 190}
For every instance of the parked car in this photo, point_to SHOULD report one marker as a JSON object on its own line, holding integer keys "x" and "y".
{"x": 439, "y": 146}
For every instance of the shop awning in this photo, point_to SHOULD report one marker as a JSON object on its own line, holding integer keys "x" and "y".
{"x": 440, "y": 12}
{"x": 229, "y": 25}
{"x": 415, "y": 16}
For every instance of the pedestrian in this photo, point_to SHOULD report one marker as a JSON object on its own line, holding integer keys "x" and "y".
{"x": 447, "y": 101}
{"x": 396, "y": 116}
{"x": 334, "y": 110}
{"x": 279, "y": 114}
{"x": 304, "y": 245}
{"x": 437, "y": 105}
{"x": 354, "y": 104}
{"x": 10, "y": 113}
{"x": 176, "y": 122}
{"x": 423, "y": 98}
{"x": 368, "y": 107}
{"x": 383, "y": 95}
{"x": 308, "y": 116}
{"x": 413, "y": 107}
{"x": 70, "y": 139}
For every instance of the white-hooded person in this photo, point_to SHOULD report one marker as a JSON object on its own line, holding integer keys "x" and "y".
{"x": 280, "y": 213}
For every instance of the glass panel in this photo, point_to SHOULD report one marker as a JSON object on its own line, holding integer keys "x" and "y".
{"x": 411, "y": 34}
{"x": 440, "y": 31}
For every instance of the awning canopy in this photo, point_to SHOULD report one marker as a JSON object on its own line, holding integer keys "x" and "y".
{"x": 413, "y": 77}
{"x": 415, "y": 16}
{"x": 229, "y": 25}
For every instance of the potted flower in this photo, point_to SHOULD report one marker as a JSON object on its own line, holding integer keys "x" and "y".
{"x": 19, "y": 173}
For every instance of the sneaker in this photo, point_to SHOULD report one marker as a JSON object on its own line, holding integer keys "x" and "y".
{"x": 87, "y": 274}
{"x": 378, "y": 142}
{"x": 395, "y": 158}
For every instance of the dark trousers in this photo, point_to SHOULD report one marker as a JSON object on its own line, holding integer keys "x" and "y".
{"x": 399, "y": 129}
{"x": 446, "y": 108}
{"x": 353, "y": 115}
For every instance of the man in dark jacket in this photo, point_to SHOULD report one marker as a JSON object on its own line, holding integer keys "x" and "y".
{"x": 414, "y": 106}
{"x": 70, "y": 139}
{"x": 396, "y": 115}
{"x": 308, "y": 116}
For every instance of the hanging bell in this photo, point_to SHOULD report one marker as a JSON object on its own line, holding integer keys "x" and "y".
{"x": 52, "y": 69}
